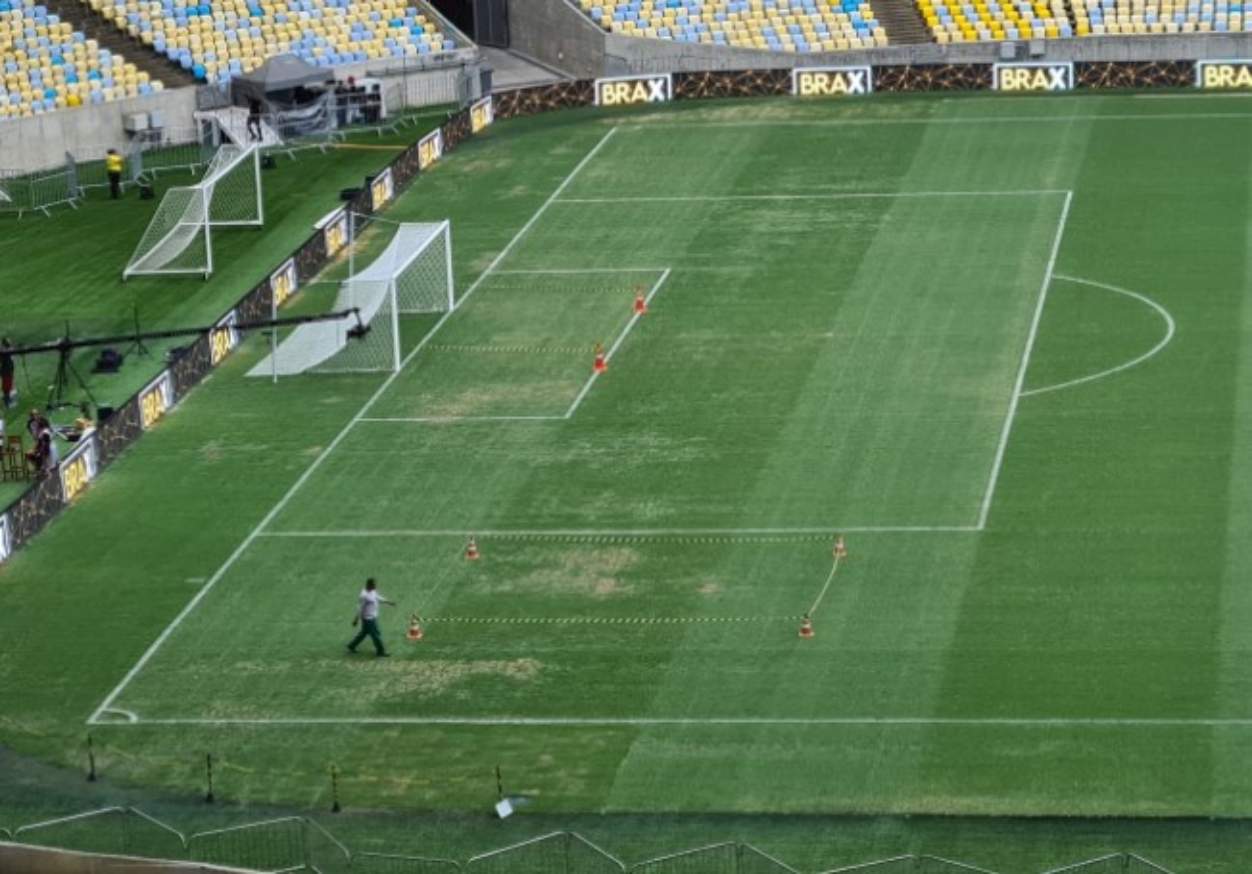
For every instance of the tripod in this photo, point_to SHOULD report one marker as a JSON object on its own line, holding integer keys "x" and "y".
{"x": 61, "y": 383}
{"x": 137, "y": 345}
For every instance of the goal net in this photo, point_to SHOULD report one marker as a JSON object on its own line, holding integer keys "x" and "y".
{"x": 413, "y": 274}
{"x": 179, "y": 239}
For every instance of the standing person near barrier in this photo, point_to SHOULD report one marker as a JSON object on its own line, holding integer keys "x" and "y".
{"x": 6, "y": 372}
{"x": 254, "y": 119}
{"x": 367, "y": 616}
{"x": 113, "y": 165}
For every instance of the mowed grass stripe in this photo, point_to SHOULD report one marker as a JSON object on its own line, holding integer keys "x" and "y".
{"x": 1093, "y": 587}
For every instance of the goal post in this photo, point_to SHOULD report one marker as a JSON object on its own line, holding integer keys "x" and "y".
{"x": 178, "y": 239}
{"x": 411, "y": 275}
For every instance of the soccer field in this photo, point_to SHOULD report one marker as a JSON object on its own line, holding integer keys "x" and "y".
{"x": 996, "y": 344}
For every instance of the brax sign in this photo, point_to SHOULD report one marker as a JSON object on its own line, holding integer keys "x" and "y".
{"x": 1224, "y": 75}
{"x": 628, "y": 90}
{"x": 1033, "y": 76}
{"x": 831, "y": 81}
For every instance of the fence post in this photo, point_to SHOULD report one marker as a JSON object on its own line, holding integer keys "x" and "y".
{"x": 91, "y": 761}
{"x": 208, "y": 772}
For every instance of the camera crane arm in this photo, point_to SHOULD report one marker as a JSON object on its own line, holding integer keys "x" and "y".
{"x": 66, "y": 344}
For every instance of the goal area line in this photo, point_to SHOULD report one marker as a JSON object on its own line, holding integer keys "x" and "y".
{"x": 586, "y": 387}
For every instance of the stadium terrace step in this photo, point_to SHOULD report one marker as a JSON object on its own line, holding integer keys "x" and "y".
{"x": 903, "y": 23}
{"x": 94, "y": 26}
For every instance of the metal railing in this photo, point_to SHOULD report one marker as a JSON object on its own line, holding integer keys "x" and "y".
{"x": 296, "y": 843}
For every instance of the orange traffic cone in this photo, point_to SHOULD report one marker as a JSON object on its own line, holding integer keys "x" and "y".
{"x": 841, "y": 551}
{"x": 641, "y": 303}
{"x": 806, "y": 628}
{"x": 601, "y": 364}
{"x": 471, "y": 550}
{"x": 415, "y": 633}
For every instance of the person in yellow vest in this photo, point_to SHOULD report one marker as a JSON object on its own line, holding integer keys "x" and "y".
{"x": 113, "y": 164}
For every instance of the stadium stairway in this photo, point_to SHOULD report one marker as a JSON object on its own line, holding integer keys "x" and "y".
{"x": 233, "y": 123}
{"x": 107, "y": 36}
{"x": 902, "y": 21}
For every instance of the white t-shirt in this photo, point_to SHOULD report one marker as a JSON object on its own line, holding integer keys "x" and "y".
{"x": 369, "y": 603}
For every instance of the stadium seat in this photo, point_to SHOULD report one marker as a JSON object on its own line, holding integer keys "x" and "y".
{"x": 48, "y": 66}
{"x": 798, "y": 26}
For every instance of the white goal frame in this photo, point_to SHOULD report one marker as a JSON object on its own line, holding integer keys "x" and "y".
{"x": 444, "y": 229}
{"x": 314, "y": 347}
{"x": 218, "y": 169}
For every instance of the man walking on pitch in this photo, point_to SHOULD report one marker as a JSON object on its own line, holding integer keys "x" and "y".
{"x": 367, "y": 615}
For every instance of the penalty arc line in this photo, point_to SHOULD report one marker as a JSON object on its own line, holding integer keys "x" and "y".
{"x": 1007, "y": 428}
{"x": 1164, "y": 341}
{"x": 330, "y": 448}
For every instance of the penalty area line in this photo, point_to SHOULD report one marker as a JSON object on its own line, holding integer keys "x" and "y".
{"x": 710, "y": 721}
{"x": 781, "y": 534}
{"x": 833, "y": 195}
{"x": 1007, "y": 428}
{"x": 107, "y": 703}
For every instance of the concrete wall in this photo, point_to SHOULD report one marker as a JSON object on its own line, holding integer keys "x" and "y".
{"x": 557, "y": 34}
{"x": 42, "y": 141}
{"x": 625, "y": 54}
{"x": 21, "y": 859}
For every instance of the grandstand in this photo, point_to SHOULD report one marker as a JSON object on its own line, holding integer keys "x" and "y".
{"x": 954, "y": 21}
{"x": 49, "y": 65}
{"x": 215, "y": 41}
{"x": 50, "y": 62}
{"x": 801, "y": 26}
{"x": 1139, "y": 17}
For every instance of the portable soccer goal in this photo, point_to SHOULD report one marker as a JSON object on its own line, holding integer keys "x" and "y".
{"x": 413, "y": 274}
{"x": 179, "y": 239}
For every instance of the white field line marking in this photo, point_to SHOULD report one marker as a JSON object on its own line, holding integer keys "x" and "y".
{"x": 128, "y": 715}
{"x": 699, "y": 722}
{"x": 637, "y": 533}
{"x": 605, "y": 620}
{"x": 573, "y": 407}
{"x": 1025, "y": 362}
{"x": 576, "y": 270}
{"x": 608, "y": 356}
{"x": 822, "y": 594}
{"x": 834, "y": 195}
{"x": 445, "y": 420}
{"x": 991, "y": 119}
{"x": 1160, "y": 310}
{"x": 325, "y": 453}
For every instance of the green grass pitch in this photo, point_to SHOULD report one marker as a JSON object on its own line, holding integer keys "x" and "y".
{"x": 996, "y": 343}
